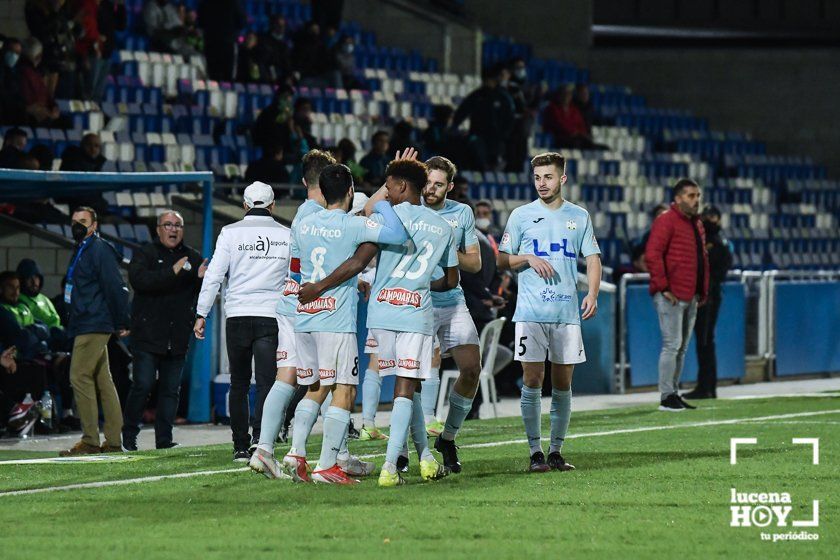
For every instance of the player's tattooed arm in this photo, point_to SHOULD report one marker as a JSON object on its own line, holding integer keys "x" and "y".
{"x": 448, "y": 281}
{"x": 309, "y": 292}
{"x": 470, "y": 259}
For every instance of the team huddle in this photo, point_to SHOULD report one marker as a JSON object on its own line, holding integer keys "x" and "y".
{"x": 404, "y": 247}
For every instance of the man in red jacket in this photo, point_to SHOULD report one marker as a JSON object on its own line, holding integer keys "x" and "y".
{"x": 679, "y": 281}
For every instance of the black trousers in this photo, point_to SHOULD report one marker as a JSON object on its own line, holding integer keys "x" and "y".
{"x": 704, "y": 330}
{"x": 167, "y": 368}
{"x": 249, "y": 338}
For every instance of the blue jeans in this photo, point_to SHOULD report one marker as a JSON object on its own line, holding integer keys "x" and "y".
{"x": 168, "y": 370}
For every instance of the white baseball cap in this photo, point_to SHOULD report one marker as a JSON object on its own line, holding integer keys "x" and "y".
{"x": 359, "y": 201}
{"x": 259, "y": 195}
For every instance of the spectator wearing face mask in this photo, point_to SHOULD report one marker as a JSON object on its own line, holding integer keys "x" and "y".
{"x": 484, "y": 222}
{"x": 345, "y": 59}
{"x": 98, "y": 300}
{"x": 275, "y": 50}
{"x": 11, "y": 105}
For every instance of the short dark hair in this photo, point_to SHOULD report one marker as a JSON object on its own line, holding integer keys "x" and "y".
{"x": 335, "y": 182}
{"x": 7, "y": 275}
{"x": 14, "y": 133}
{"x": 87, "y": 209}
{"x": 549, "y": 158}
{"x": 411, "y": 171}
{"x": 484, "y": 202}
{"x": 441, "y": 163}
{"x": 379, "y": 133}
{"x": 711, "y": 211}
{"x": 656, "y": 209}
{"x": 681, "y": 185}
{"x": 313, "y": 163}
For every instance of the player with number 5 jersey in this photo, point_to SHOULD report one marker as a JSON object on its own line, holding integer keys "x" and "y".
{"x": 542, "y": 242}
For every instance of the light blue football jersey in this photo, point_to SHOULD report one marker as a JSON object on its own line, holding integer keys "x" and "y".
{"x": 325, "y": 240}
{"x": 288, "y": 303}
{"x": 461, "y": 218}
{"x": 400, "y": 300}
{"x": 558, "y": 236}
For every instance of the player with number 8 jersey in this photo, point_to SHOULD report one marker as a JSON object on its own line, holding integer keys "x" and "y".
{"x": 325, "y": 328}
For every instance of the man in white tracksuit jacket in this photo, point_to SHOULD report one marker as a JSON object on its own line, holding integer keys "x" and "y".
{"x": 254, "y": 255}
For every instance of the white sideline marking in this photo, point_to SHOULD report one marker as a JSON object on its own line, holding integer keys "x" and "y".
{"x": 106, "y": 483}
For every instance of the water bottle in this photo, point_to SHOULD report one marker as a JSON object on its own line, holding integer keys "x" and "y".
{"x": 28, "y": 399}
{"x": 46, "y": 409}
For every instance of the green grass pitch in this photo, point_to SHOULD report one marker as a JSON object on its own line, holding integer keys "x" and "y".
{"x": 647, "y": 485}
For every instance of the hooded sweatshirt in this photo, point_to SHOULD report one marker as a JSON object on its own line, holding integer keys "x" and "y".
{"x": 39, "y": 305}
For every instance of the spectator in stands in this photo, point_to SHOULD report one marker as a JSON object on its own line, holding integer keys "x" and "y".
{"x": 44, "y": 155}
{"x": 270, "y": 168}
{"x": 377, "y": 159}
{"x": 347, "y": 155}
{"x": 484, "y": 222}
{"x": 98, "y": 301}
{"x": 638, "y": 253}
{"x": 563, "y": 119}
{"x": 53, "y": 24}
{"x": 40, "y": 105}
{"x": 193, "y": 36}
{"x": 327, "y": 13}
{"x": 583, "y": 102}
{"x": 39, "y": 305}
{"x": 166, "y": 277}
{"x": 517, "y": 144}
{"x": 275, "y": 51}
{"x": 221, "y": 22}
{"x": 679, "y": 280}
{"x": 437, "y": 138}
{"x": 272, "y": 124}
{"x": 403, "y": 136}
{"x": 720, "y": 261}
{"x": 88, "y": 45}
{"x": 11, "y": 106}
{"x": 249, "y": 68}
{"x": 165, "y": 27}
{"x": 346, "y": 63}
{"x": 14, "y": 144}
{"x": 490, "y": 111}
{"x": 85, "y": 157}
{"x": 111, "y": 17}
{"x": 311, "y": 58}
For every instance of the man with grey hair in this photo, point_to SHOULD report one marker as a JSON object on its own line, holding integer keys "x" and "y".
{"x": 166, "y": 276}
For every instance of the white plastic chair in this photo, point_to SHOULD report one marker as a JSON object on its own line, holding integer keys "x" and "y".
{"x": 488, "y": 345}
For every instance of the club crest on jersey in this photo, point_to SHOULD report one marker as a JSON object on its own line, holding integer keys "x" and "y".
{"x": 571, "y": 224}
{"x": 408, "y": 363}
{"x": 326, "y": 373}
{"x": 453, "y": 222}
{"x": 399, "y": 296}
{"x": 387, "y": 364}
{"x": 291, "y": 288}
{"x": 319, "y": 305}
{"x": 303, "y": 373}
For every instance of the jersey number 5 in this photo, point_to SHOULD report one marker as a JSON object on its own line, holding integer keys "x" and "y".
{"x": 422, "y": 259}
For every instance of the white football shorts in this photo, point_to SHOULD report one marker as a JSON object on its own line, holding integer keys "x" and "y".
{"x": 454, "y": 326}
{"x": 405, "y": 354}
{"x": 563, "y": 342}
{"x": 329, "y": 357}
{"x": 286, "y": 354}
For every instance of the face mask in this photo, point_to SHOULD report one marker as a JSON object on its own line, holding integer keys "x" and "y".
{"x": 520, "y": 73}
{"x": 711, "y": 229}
{"x": 11, "y": 59}
{"x": 347, "y": 49}
{"x": 79, "y": 231}
{"x": 482, "y": 223}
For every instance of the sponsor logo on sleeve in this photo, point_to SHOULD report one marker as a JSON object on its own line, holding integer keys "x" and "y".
{"x": 371, "y": 224}
{"x": 399, "y": 297}
{"x": 318, "y": 306}
{"x": 326, "y": 373}
{"x": 506, "y": 238}
{"x": 291, "y": 288}
{"x": 387, "y": 364}
{"x": 304, "y": 373}
{"x": 282, "y": 355}
{"x": 371, "y": 343}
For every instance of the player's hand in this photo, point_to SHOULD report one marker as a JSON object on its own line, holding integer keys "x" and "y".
{"x": 198, "y": 328}
{"x": 409, "y": 154}
{"x": 364, "y": 287}
{"x": 670, "y": 297}
{"x": 308, "y": 293}
{"x": 178, "y": 266}
{"x": 542, "y": 267}
{"x": 7, "y": 359}
{"x": 589, "y": 307}
{"x": 202, "y": 269}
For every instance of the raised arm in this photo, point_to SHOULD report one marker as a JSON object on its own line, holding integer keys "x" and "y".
{"x": 309, "y": 292}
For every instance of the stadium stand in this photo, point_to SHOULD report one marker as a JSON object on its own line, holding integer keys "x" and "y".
{"x": 159, "y": 114}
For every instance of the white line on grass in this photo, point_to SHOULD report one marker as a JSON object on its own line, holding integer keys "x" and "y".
{"x": 106, "y": 483}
